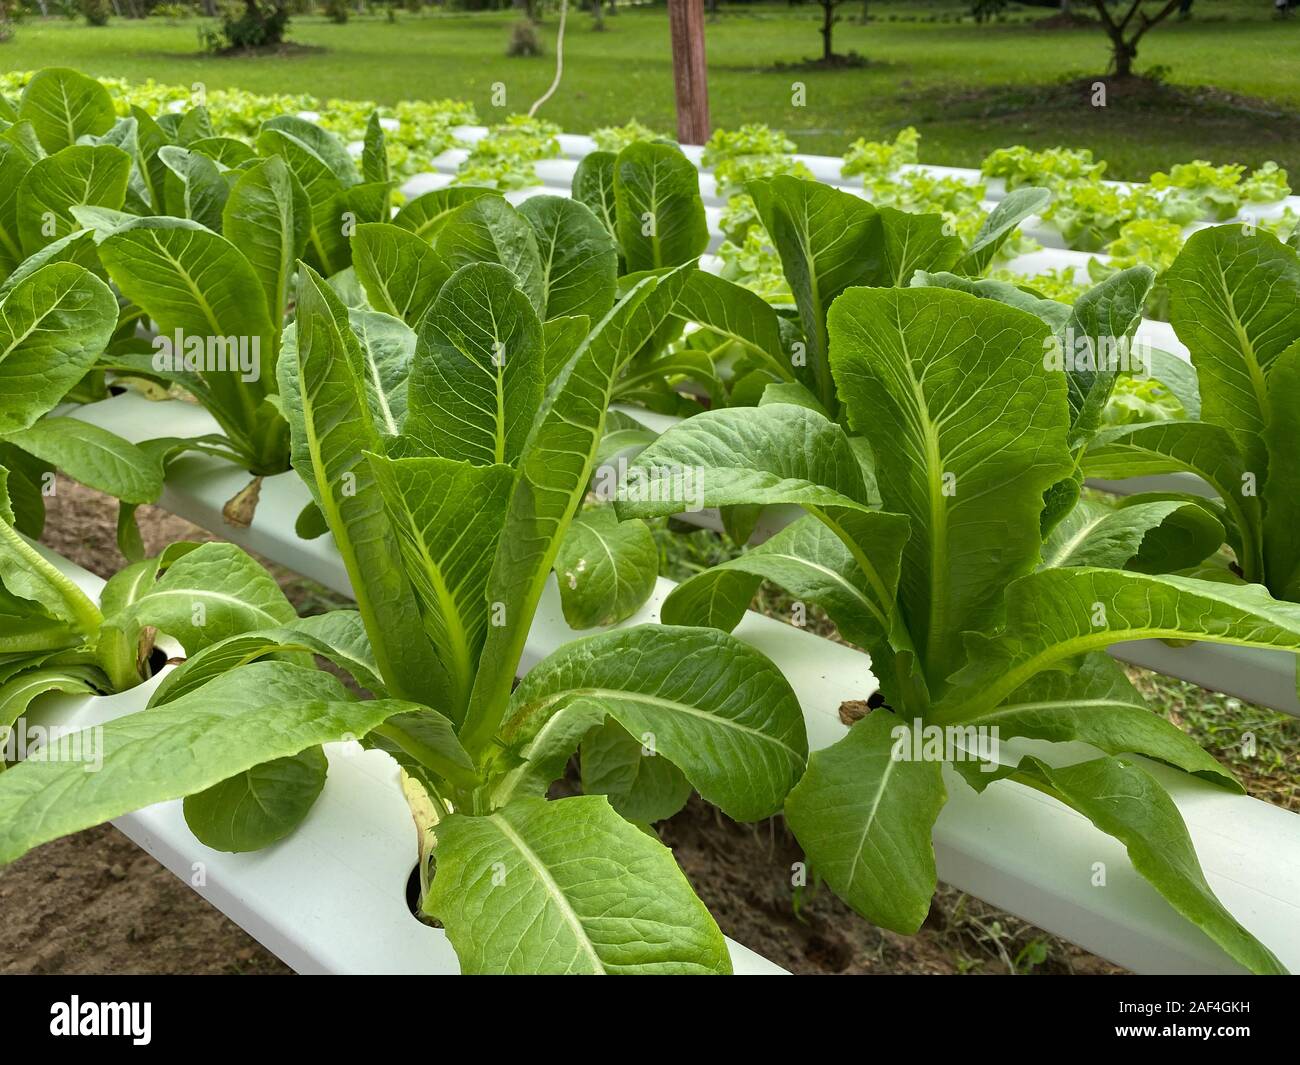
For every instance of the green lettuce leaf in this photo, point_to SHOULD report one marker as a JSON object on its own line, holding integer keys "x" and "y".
{"x": 567, "y": 887}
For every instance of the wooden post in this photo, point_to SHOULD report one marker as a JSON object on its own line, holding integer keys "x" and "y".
{"x": 690, "y": 75}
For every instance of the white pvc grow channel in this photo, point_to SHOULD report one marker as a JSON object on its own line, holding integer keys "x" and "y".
{"x": 556, "y": 176}
{"x": 1054, "y": 255}
{"x": 827, "y": 169}
{"x": 199, "y": 485}
{"x": 1263, "y": 677}
{"x": 332, "y": 897}
{"x": 1013, "y": 847}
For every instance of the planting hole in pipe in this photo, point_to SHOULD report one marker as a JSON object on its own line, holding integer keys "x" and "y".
{"x": 413, "y": 891}
{"x": 157, "y": 660}
{"x": 413, "y": 899}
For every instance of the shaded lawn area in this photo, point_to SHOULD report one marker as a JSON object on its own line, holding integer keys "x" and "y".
{"x": 969, "y": 88}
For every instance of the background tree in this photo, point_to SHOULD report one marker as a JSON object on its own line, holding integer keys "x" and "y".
{"x": 1128, "y": 29}
{"x": 258, "y": 24}
{"x": 985, "y": 10}
{"x": 829, "y": 18}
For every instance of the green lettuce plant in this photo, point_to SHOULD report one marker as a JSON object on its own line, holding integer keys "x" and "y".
{"x": 1019, "y": 166}
{"x": 567, "y": 259}
{"x": 1115, "y": 378}
{"x": 616, "y": 138}
{"x": 54, "y": 637}
{"x": 875, "y": 160}
{"x": 754, "y": 151}
{"x": 753, "y": 264}
{"x": 1234, "y": 300}
{"x": 940, "y": 543}
{"x": 504, "y": 158}
{"x": 920, "y": 192}
{"x": 647, "y": 197}
{"x": 566, "y": 262}
{"x": 420, "y": 130}
{"x": 199, "y": 233}
{"x": 829, "y": 241}
{"x": 57, "y": 320}
{"x": 1218, "y": 192}
{"x": 1153, "y": 242}
{"x": 1266, "y": 184}
{"x": 450, "y": 513}
{"x": 1091, "y": 215}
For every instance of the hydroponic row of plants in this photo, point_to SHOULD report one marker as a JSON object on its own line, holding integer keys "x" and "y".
{"x": 1123, "y": 224}
{"x": 1128, "y": 224}
{"x": 442, "y": 377}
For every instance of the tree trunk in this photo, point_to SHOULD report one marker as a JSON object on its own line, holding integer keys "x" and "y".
{"x": 828, "y": 28}
{"x": 1124, "y": 56}
{"x": 1121, "y": 52}
{"x": 1125, "y": 49}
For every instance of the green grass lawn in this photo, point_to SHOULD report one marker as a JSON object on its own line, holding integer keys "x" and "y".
{"x": 968, "y": 88}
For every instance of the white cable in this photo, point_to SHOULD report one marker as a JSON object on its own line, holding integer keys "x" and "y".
{"x": 559, "y": 61}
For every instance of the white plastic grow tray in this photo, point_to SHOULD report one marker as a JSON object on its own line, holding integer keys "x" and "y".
{"x": 556, "y": 177}
{"x": 199, "y": 485}
{"x": 827, "y": 169}
{"x": 1268, "y": 678}
{"x": 1047, "y": 258}
{"x": 331, "y": 898}
{"x": 1018, "y": 850}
